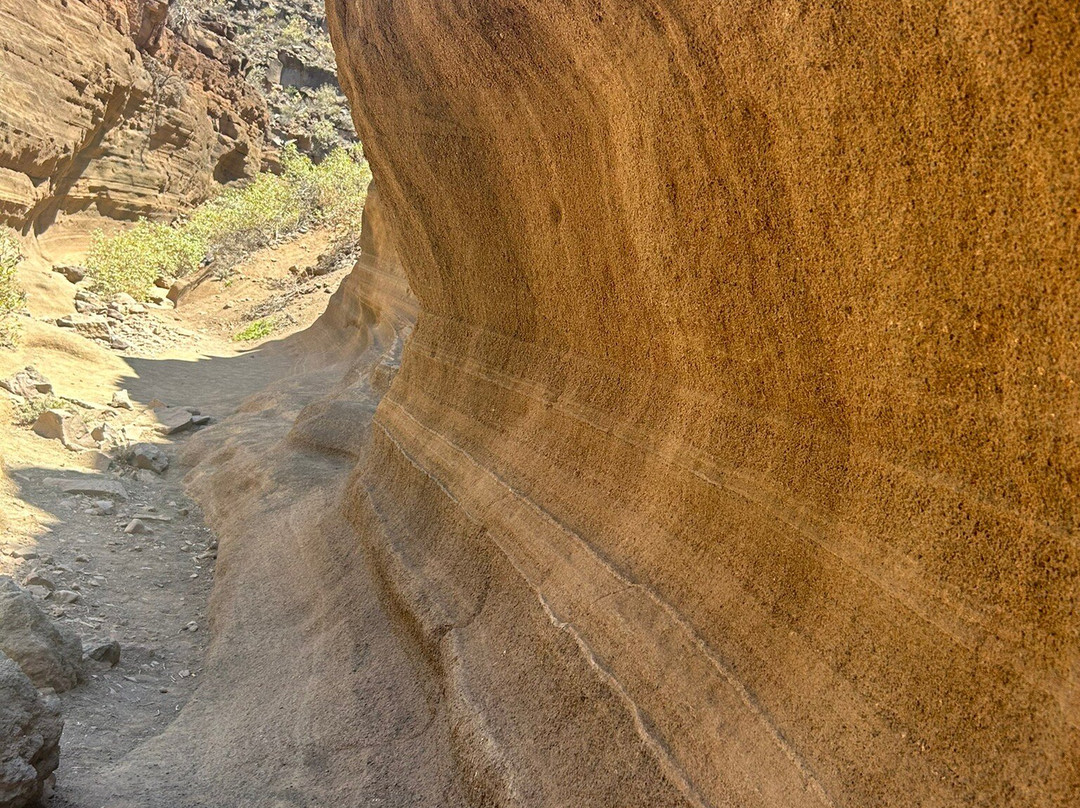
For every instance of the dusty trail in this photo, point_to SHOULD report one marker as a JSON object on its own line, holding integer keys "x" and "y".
{"x": 183, "y": 721}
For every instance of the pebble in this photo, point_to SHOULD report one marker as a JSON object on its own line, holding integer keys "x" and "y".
{"x": 137, "y": 526}
{"x": 66, "y": 596}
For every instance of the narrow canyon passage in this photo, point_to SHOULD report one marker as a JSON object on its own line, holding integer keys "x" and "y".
{"x": 691, "y": 419}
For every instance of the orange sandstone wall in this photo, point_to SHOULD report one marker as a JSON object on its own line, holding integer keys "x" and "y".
{"x": 747, "y": 360}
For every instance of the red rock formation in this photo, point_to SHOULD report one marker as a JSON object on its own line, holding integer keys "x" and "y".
{"x": 743, "y": 390}
{"x": 105, "y": 110}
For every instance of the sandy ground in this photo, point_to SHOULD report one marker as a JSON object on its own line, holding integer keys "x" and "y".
{"x": 147, "y": 591}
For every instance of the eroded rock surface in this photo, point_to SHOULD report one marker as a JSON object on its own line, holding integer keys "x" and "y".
{"x": 746, "y": 362}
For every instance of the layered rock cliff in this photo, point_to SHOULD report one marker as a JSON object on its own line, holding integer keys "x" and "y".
{"x": 733, "y": 459}
{"x": 106, "y": 111}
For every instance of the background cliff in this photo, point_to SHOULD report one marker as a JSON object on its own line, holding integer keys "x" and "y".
{"x": 106, "y": 111}
{"x": 746, "y": 363}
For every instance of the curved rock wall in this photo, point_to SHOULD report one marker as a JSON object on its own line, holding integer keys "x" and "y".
{"x": 106, "y": 111}
{"x": 747, "y": 365}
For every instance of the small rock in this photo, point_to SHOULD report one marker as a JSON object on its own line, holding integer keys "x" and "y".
{"x": 91, "y": 486}
{"x": 65, "y": 596}
{"x": 124, "y": 301}
{"x": 103, "y": 507}
{"x": 148, "y": 456}
{"x": 25, "y": 553}
{"x": 155, "y": 517}
{"x": 73, "y": 273}
{"x": 173, "y": 419}
{"x": 78, "y": 402}
{"x": 91, "y": 326}
{"x": 192, "y": 627}
{"x": 121, "y": 400}
{"x": 119, "y": 344}
{"x": 102, "y": 432}
{"x": 98, "y": 461}
{"x": 107, "y": 652}
{"x": 81, "y": 559}
{"x": 27, "y": 383}
{"x": 38, "y": 578}
{"x": 37, "y": 592}
{"x": 137, "y": 526}
{"x": 65, "y": 426}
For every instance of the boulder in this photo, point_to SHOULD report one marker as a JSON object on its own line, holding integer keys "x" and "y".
{"x": 148, "y": 456}
{"x": 27, "y": 383}
{"x": 30, "y": 728}
{"x": 51, "y": 655}
{"x": 121, "y": 400}
{"x": 66, "y": 427}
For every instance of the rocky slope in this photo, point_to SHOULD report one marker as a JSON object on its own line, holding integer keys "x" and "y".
{"x": 743, "y": 389}
{"x": 108, "y": 112}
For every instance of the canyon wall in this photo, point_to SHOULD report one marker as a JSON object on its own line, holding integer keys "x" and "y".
{"x": 107, "y": 111}
{"x": 733, "y": 458}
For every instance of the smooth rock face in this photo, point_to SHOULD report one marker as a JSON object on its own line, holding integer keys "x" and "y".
{"x": 50, "y": 654}
{"x": 30, "y": 728}
{"x": 748, "y": 345}
{"x": 119, "y": 114}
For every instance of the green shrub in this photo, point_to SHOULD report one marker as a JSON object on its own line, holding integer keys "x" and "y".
{"x": 27, "y": 410}
{"x": 235, "y": 222}
{"x": 11, "y": 295}
{"x": 130, "y": 261}
{"x": 293, "y": 32}
{"x": 256, "y": 330}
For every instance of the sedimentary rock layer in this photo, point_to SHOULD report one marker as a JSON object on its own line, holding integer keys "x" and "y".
{"x": 105, "y": 110}
{"x": 746, "y": 364}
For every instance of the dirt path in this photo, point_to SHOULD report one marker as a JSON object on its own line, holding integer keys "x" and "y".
{"x": 64, "y": 515}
